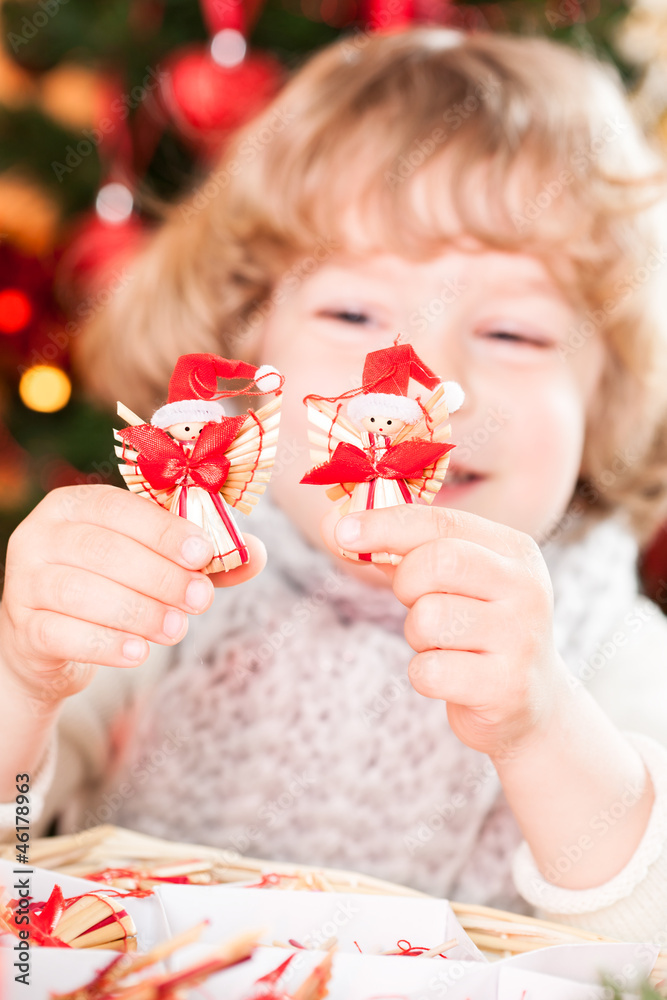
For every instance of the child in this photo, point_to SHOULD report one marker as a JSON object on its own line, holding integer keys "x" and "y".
{"x": 487, "y": 198}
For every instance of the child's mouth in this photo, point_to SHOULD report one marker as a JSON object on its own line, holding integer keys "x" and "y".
{"x": 457, "y": 481}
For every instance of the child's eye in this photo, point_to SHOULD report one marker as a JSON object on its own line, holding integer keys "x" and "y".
{"x": 510, "y": 337}
{"x": 347, "y": 316}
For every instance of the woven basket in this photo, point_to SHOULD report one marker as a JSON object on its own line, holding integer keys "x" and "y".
{"x": 497, "y": 933}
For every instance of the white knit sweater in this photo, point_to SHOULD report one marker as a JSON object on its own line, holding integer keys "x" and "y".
{"x": 284, "y": 727}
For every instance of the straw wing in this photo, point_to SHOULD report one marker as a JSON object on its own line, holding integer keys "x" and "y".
{"x": 251, "y": 457}
{"x": 432, "y": 426}
{"x": 327, "y": 428}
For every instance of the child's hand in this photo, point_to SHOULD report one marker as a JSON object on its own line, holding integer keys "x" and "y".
{"x": 92, "y": 574}
{"x": 480, "y": 618}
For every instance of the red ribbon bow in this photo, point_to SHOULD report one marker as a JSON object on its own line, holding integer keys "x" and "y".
{"x": 165, "y": 463}
{"x": 350, "y": 464}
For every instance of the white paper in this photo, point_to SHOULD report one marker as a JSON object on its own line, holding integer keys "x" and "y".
{"x": 362, "y": 977}
{"x": 520, "y": 984}
{"x": 355, "y": 977}
{"x": 56, "y": 969}
{"x": 585, "y": 964}
{"x": 375, "y": 923}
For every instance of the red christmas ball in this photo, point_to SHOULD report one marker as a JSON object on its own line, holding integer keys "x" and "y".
{"x": 96, "y": 252}
{"x": 207, "y": 101}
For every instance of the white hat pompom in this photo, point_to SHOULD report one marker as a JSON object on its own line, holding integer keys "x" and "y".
{"x": 454, "y": 396}
{"x": 267, "y": 378}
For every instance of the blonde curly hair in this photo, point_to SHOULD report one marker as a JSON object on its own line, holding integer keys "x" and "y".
{"x": 379, "y": 135}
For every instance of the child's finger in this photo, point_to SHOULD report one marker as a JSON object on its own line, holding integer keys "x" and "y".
{"x": 255, "y": 565}
{"x": 54, "y": 636}
{"x": 99, "y": 601}
{"x": 128, "y": 514}
{"x": 402, "y": 528}
{"x": 456, "y": 676}
{"x": 129, "y": 563}
{"x": 447, "y": 621}
{"x": 451, "y": 566}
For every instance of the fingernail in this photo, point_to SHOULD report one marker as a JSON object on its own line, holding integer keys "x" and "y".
{"x": 173, "y": 624}
{"x": 196, "y": 550}
{"x": 133, "y": 650}
{"x": 198, "y": 594}
{"x": 348, "y": 530}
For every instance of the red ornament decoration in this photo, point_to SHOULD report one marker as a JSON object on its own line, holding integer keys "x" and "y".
{"x": 221, "y": 15}
{"x": 100, "y": 241}
{"x": 91, "y": 920}
{"x": 206, "y": 102}
{"x": 390, "y": 15}
{"x": 197, "y": 462}
{"x": 165, "y": 464}
{"x": 207, "y": 91}
{"x": 97, "y": 252}
{"x": 400, "y": 461}
{"x": 31, "y": 319}
{"x": 15, "y": 310}
{"x": 389, "y": 448}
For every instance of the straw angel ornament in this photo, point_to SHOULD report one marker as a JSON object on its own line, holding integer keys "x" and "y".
{"x": 196, "y": 461}
{"x": 388, "y": 448}
{"x": 92, "y": 920}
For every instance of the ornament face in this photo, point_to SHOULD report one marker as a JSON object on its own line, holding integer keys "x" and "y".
{"x": 186, "y": 432}
{"x": 380, "y": 424}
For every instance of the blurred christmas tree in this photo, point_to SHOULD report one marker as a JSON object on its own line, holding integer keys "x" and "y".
{"x": 106, "y": 103}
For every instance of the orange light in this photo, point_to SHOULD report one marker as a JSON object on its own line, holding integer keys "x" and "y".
{"x": 15, "y": 310}
{"x": 45, "y": 388}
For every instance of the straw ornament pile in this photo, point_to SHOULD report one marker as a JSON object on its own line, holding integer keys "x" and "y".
{"x": 499, "y": 934}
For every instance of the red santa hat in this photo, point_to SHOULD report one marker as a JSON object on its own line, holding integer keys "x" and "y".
{"x": 387, "y": 374}
{"x": 193, "y": 388}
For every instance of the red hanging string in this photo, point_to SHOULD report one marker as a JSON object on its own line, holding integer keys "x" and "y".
{"x": 408, "y": 949}
{"x": 220, "y": 14}
{"x": 238, "y": 14}
{"x": 351, "y": 393}
{"x": 114, "y": 139}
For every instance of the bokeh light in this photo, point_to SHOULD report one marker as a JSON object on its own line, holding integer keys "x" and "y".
{"x": 15, "y": 310}
{"x": 228, "y": 48}
{"x": 45, "y": 388}
{"x": 114, "y": 203}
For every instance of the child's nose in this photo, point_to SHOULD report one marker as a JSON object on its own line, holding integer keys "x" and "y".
{"x": 449, "y": 368}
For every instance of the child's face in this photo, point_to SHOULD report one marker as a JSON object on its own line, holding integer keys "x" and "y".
{"x": 496, "y": 323}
